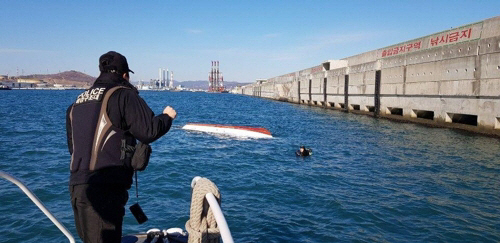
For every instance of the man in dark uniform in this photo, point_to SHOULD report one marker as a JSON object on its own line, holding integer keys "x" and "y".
{"x": 103, "y": 121}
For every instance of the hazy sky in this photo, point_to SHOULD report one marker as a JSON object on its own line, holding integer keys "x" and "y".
{"x": 251, "y": 39}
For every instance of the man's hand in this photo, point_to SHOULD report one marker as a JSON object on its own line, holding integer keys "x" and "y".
{"x": 170, "y": 112}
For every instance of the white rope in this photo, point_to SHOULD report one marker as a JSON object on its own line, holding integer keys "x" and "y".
{"x": 202, "y": 225}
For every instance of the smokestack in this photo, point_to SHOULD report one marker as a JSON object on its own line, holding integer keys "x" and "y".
{"x": 171, "y": 79}
{"x": 163, "y": 78}
{"x": 159, "y": 78}
{"x": 217, "y": 77}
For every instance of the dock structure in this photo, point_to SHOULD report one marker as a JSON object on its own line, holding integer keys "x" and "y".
{"x": 450, "y": 79}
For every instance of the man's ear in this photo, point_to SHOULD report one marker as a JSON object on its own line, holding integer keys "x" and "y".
{"x": 125, "y": 76}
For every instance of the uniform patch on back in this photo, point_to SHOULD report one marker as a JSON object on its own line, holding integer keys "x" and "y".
{"x": 94, "y": 94}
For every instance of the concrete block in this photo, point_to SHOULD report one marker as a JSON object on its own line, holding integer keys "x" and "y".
{"x": 422, "y": 88}
{"x": 420, "y": 57}
{"x": 332, "y": 83}
{"x": 336, "y": 72}
{"x": 334, "y": 64}
{"x": 364, "y": 67}
{"x": 341, "y": 89}
{"x": 317, "y": 86}
{"x": 318, "y": 75}
{"x": 354, "y": 69}
{"x": 369, "y": 77}
{"x": 392, "y": 75}
{"x": 491, "y": 28}
{"x": 370, "y": 89}
{"x": 317, "y": 98}
{"x": 332, "y": 89}
{"x": 336, "y": 100}
{"x": 461, "y": 87}
{"x": 457, "y": 69}
{"x": 389, "y": 102}
{"x": 486, "y": 110}
{"x": 434, "y": 54}
{"x": 293, "y": 90}
{"x": 308, "y": 71}
{"x": 467, "y": 48}
{"x": 357, "y": 89}
{"x": 423, "y": 72}
{"x": 462, "y": 49}
{"x": 428, "y": 55}
{"x": 453, "y": 69}
{"x": 412, "y": 58}
{"x": 490, "y": 66}
{"x": 489, "y": 87}
{"x": 395, "y": 61}
{"x": 392, "y": 89}
{"x": 356, "y": 78}
{"x": 361, "y": 101}
{"x": 304, "y": 86}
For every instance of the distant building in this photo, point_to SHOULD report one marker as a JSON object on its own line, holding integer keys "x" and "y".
{"x": 171, "y": 83}
{"x": 29, "y": 81}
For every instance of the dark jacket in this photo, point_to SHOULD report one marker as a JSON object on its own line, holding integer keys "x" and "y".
{"x": 305, "y": 153}
{"x": 128, "y": 112}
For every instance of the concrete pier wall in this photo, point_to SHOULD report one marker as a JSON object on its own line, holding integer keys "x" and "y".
{"x": 450, "y": 78}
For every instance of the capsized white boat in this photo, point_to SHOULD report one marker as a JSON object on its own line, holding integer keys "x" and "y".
{"x": 236, "y": 131}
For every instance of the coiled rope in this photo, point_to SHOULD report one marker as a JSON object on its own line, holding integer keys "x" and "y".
{"x": 201, "y": 226}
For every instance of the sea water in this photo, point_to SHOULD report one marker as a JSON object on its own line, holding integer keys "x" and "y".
{"x": 368, "y": 180}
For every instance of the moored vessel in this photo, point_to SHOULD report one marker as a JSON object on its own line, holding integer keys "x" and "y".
{"x": 5, "y": 87}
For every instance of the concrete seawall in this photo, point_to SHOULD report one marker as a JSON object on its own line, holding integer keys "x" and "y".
{"x": 449, "y": 79}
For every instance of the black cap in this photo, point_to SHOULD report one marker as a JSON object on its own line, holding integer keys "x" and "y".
{"x": 113, "y": 61}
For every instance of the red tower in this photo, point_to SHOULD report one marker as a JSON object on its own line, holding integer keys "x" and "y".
{"x": 215, "y": 78}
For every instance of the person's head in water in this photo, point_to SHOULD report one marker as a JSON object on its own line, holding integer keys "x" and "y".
{"x": 114, "y": 62}
{"x": 303, "y": 151}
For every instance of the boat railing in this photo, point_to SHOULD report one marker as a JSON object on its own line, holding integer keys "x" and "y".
{"x": 225, "y": 233}
{"x": 38, "y": 203}
{"x": 212, "y": 201}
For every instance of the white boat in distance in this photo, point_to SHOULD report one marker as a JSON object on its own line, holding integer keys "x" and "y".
{"x": 236, "y": 131}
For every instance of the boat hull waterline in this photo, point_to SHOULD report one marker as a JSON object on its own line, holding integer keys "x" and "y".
{"x": 236, "y": 131}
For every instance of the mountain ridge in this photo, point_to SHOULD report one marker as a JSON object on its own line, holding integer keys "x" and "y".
{"x": 76, "y": 78}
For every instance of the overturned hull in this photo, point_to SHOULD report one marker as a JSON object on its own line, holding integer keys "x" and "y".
{"x": 236, "y": 131}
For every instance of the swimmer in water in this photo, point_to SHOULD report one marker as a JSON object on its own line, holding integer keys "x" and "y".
{"x": 303, "y": 151}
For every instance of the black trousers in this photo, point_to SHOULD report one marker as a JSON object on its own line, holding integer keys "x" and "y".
{"x": 99, "y": 211}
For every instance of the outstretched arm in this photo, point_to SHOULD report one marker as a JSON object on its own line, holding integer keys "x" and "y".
{"x": 141, "y": 120}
